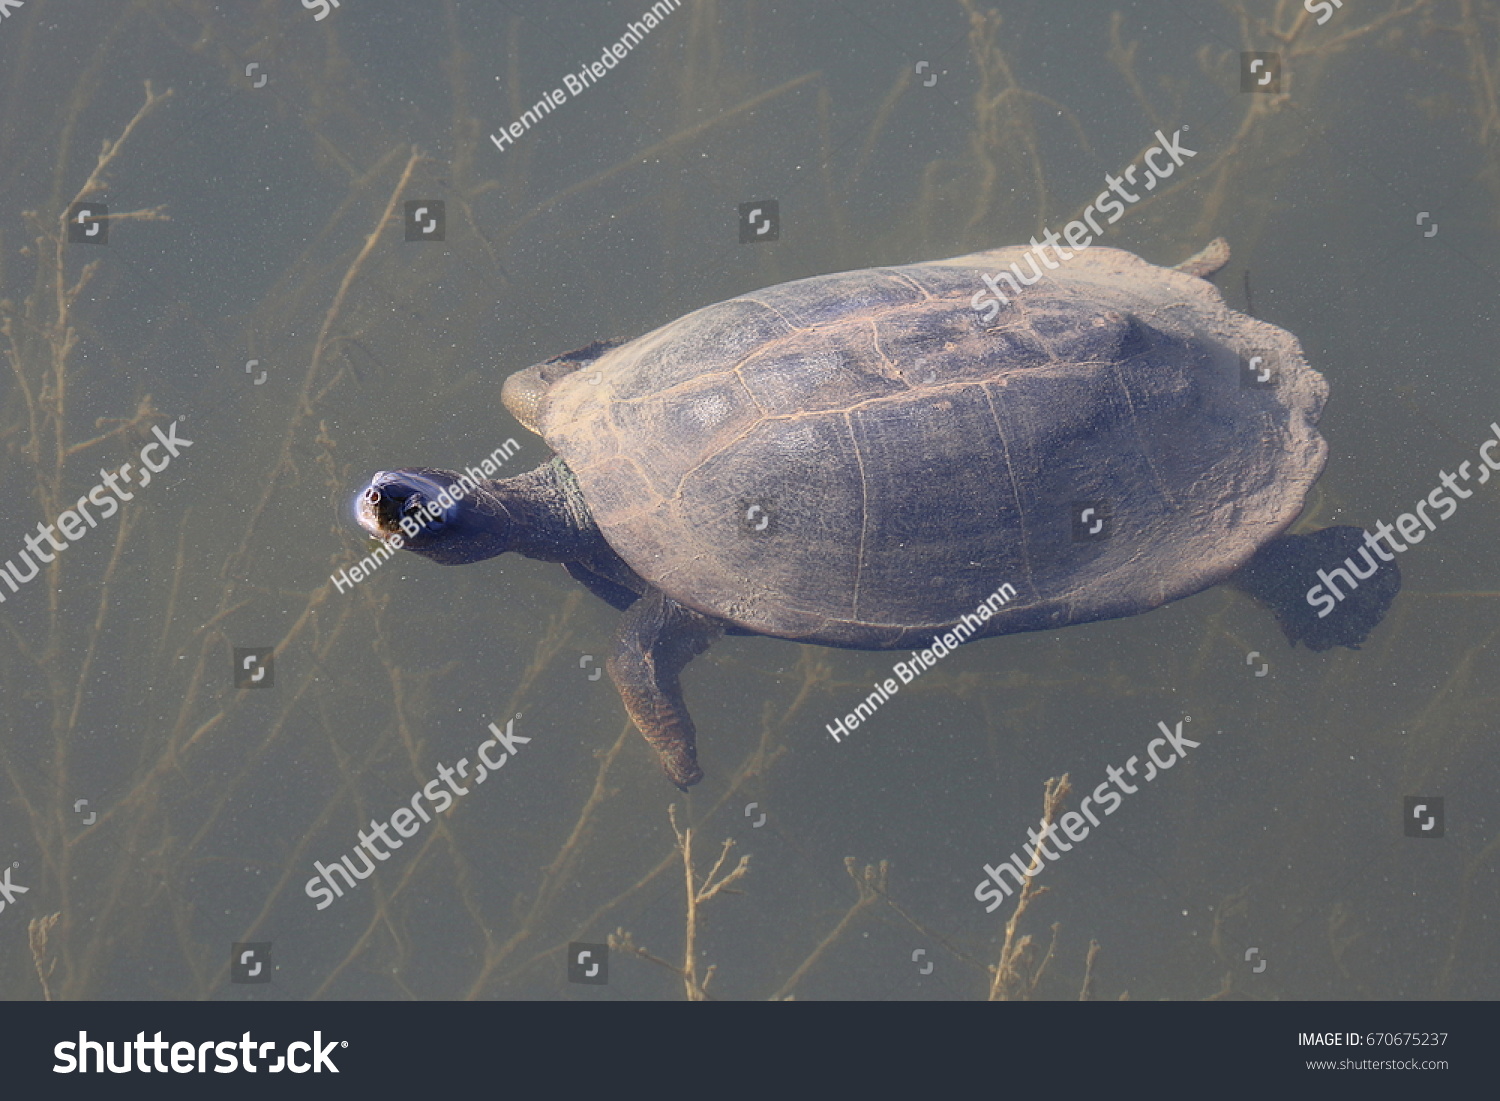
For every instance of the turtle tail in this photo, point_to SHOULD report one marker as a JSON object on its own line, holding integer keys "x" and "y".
{"x": 1328, "y": 588}
{"x": 1206, "y": 262}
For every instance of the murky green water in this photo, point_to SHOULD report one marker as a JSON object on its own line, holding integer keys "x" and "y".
{"x": 257, "y": 284}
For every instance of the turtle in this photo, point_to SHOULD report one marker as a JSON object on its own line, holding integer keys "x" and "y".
{"x": 864, "y": 459}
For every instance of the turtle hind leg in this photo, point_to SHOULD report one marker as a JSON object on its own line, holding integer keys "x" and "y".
{"x": 1291, "y": 575}
{"x": 657, "y": 639}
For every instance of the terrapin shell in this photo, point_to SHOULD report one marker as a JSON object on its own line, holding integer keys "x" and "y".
{"x": 860, "y": 459}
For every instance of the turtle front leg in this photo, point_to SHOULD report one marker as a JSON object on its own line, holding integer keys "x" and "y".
{"x": 658, "y": 637}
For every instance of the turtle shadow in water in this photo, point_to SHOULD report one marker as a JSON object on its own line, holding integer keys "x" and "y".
{"x": 1285, "y": 573}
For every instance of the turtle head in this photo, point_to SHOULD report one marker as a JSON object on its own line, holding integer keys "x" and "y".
{"x": 438, "y": 514}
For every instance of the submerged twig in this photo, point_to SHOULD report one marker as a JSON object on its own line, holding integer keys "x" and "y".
{"x": 1007, "y": 980}
{"x": 697, "y": 894}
